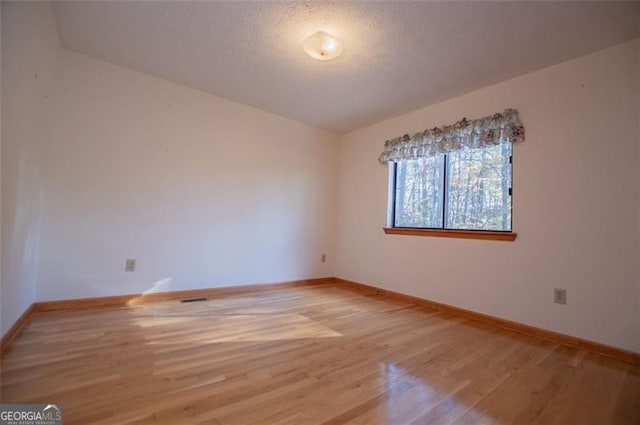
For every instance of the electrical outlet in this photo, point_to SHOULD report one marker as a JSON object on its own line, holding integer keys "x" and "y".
{"x": 323, "y": 258}
{"x": 130, "y": 265}
{"x": 559, "y": 296}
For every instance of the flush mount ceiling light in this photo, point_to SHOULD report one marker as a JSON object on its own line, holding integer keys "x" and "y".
{"x": 322, "y": 46}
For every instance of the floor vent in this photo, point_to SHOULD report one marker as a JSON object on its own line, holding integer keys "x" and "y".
{"x": 193, "y": 300}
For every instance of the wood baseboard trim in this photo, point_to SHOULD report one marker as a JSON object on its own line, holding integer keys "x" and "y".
{"x": 124, "y": 300}
{"x": 14, "y": 330}
{"x": 133, "y": 299}
{"x": 568, "y": 340}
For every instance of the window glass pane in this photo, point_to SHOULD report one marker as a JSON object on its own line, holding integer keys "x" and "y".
{"x": 478, "y": 182}
{"x": 419, "y": 192}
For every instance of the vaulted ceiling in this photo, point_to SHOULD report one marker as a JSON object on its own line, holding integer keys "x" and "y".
{"x": 398, "y": 56}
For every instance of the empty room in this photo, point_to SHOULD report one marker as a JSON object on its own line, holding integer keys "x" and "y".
{"x": 320, "y": 212}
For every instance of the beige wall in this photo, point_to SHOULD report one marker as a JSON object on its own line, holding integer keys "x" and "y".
{"x": 576, "y": 205}
{"x": 202, "y": 191}
{"x": 29, "y": 52}
{"x": 101, "y": 163}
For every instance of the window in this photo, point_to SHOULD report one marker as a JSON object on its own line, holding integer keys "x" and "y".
{"x": 454, "y": 180}
{"x": 466, "y": 189}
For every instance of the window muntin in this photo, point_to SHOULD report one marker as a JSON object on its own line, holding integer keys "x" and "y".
{"x": 468, "y": 189}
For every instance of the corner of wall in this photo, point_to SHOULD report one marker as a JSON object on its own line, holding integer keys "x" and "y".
{"x": 30, "y": 47}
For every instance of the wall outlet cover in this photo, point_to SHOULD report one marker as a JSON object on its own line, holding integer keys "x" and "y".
{"x": 130, "y": 265}
{"x": 559, "y": 296}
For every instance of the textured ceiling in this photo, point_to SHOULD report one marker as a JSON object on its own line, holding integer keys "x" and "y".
{"x": 398, "y": 56}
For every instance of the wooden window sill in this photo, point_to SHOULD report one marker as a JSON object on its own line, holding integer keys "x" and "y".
{"x": 447, "y": 233}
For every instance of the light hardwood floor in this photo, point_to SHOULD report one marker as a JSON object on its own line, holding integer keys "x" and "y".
{"x": 308, "y": 355}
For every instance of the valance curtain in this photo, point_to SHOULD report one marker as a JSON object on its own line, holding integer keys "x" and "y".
{"x": 491, "y": 130}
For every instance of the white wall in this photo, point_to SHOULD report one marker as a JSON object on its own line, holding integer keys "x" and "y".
{"x": 202, "y": 191}
{"x": 101, "y": 163}
{"x": 576, "y": 205}
{"x": 29, "y": 50}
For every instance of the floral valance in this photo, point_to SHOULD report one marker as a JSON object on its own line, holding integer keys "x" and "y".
{"x": 491, "y": 130}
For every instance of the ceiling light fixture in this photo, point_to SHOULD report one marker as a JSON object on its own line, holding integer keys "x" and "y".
{"x": 322, "y": 46}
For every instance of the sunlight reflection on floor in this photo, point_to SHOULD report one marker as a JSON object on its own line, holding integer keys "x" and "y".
{"x": 410, "y": 396}
{"x": 238, "y": 327}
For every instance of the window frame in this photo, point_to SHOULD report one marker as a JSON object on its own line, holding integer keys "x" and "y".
{"x": 391, "y": 228}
